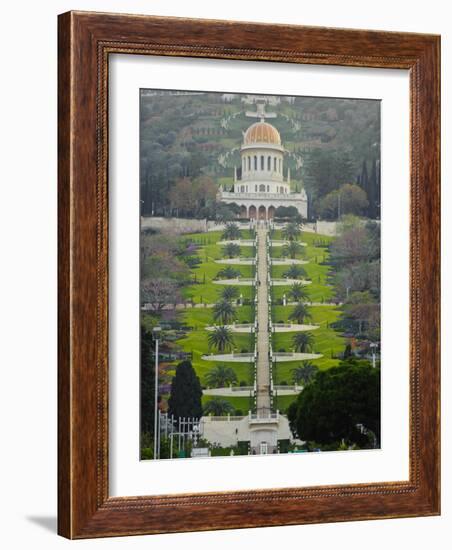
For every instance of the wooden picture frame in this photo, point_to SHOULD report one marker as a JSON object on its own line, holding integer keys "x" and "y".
{"x": 86, "y": 40}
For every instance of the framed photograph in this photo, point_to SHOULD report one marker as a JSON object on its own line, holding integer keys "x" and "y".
{"x": 248, "y": 275}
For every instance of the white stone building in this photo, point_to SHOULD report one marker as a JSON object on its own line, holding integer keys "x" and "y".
{"x": 261, "y": 187}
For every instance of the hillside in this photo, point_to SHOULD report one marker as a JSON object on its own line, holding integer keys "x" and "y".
{"x": 199, "y": 134}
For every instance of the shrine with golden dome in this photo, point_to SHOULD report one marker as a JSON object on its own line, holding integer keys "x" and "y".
{"x": 259, "y": 185}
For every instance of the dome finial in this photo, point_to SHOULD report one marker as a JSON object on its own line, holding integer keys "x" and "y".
{"x": 260, "y": 111}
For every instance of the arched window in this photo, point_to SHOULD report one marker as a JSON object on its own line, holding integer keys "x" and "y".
{"x": 281, "y": 190}
{"x": 269, "y": 163}
{"x": 279, "y": 165}
{"x": 255, "y": 188}
{"x": 262, "y": 162}
{"x": 274, "y": 164}
{"x": 268, "y": 189}
{"x": 255, "y": 162}
{"x": 249, "y": 163}
{"x": 262, "y": 188}
{"x": 242, "y": 189}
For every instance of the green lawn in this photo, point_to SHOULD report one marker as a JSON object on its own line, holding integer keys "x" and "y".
{"x": 239, "y": 403}
{"x": 196, "y": 341}
{"x": 316, "y": 271}
{"x": 203, "y": 289}
{"x": 207, "y": 292}
{"x": 326, "y": 340}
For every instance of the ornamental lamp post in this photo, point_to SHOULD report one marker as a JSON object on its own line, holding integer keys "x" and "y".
{"x": 373, "y": 346}
{"x": 156, "y": 333}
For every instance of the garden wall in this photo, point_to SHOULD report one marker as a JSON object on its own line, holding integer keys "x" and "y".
{"x": 178, "y": 225}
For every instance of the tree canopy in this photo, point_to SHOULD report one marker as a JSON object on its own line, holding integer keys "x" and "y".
{"x": 231, "y": 250}
{"x": 147, "y": 375}
{"x": 218, "y": 407}
{"x": 348, "y": 199}
{"x": 186, "y": 393}
{"x": 221, "y": 376}
{"x": 341, "y": 403}
{"x": 300, "y": 313}
{"x": 221, "y": 339}
{"x": 223, "y": 312}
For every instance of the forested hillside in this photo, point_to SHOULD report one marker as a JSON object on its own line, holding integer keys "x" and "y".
{"x": 190, "y": 144}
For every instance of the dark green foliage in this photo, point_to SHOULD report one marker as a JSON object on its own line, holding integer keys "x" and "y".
{"x": 224, "y": 212}
{"x": 147, "y": 375}
{"x": 298, "y": 292}
{"x": 228, "y": 273}
{"x": 221, "y": 339}
{"x": 221, "y": 376}
{"x": 288, "y": 213}
{"x": 229, "y": 293}
{"x": 303, "y": 341}
{"x": 186, "y": 393}
{"x": 299, "y": 314}
{"x": 292, "y": 249}
{"x": 218, "y": 407}
{"x": 295, "y": 272}
{"x": 338, "y": 401}
{"x": 231, "y": 250}
{"x": 291, "y": 231}
{"x": 325, "y": 171}
{"x": 192, "y": 261}
{"x": 348, "y": 199}
{"x": 231, "y": 232}
{"x": 223, "y": 312}
{"x": 347, "y": 352}
{"x": 305, "y": 373}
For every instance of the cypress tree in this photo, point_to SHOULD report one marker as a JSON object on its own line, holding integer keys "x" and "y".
{"x": 372, "y": 195}
{"x": 378, "y": 188}
{"x": 365, "y": 179}
{"x": 343, "y": 167}
{"x": 186, "y": 393}
{"x": 147, "y": 382}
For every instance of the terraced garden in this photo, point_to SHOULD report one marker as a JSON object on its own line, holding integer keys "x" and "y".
{"x": 205, "y": 292}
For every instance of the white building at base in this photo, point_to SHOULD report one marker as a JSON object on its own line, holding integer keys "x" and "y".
{"x": 261, "y": 188}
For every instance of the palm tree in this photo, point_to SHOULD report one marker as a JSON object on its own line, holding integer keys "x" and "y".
{"x": 231, "y": 250}
{"x": 223, "y": 312}
{"x": 302, "y": 341}
{"x": 292, "y": 248}
{"x": 218, "y": 407}
{"x": 229, "y": 293}
{"x": 221, "y": 339}
{"x": 300, "y": 313}
{"x": 291, "y": 231}
{"x": 304, "y": 373}
{"x": 221, "y": 376}
{"x": 231, "y": 232}
{"x": 297, "y": 292}
{"x": 295, "y": 272}
{"x": 228, "y": 273}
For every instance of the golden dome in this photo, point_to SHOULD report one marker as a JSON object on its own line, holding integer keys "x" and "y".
{"x": 261, "y": 132}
